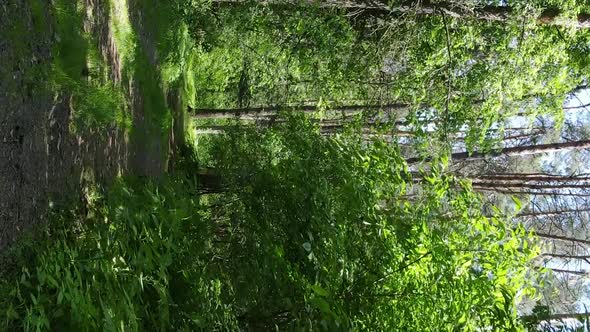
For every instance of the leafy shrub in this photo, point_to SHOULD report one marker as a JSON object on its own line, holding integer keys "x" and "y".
{"x": 303, "y": 232}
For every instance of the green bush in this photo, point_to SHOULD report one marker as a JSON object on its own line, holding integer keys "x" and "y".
{"x": 302, "y": 232}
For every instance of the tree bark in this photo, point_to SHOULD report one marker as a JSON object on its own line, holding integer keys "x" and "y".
{"x": 529, "y": 185}
{"x": 561, "y": 238}
{"x": 530, "y": 192}
{"x": 519, "y": 175}
{"x": 579, "y": 273}
{"x": 210, "y": 113}
{"x": 524, "y": 178}
{"x": 516, "y": 151}
{"x": 213, "y": 130}
{"x": 549, "y": 213}
{"x": 380, "y": 8}
{"x": 565, "y": 256}
{"x": 559, "y": 316}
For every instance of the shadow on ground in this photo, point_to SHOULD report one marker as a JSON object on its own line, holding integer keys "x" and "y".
{"x": 42, "y": 161}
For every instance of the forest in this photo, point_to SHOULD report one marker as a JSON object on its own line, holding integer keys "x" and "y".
{"x": 294, "y": 165}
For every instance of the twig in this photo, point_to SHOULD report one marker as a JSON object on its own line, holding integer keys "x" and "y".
{"x": 449, "y": 68}
{"x": 584, "y": 106}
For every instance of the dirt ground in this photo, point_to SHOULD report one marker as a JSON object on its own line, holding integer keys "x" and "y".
{"x": 42, "y": 163}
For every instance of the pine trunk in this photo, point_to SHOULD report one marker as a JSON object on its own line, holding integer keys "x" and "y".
{"x": 380, "y": 8}
{"x": 561, "y": 238}
{"x": 265, "y": 111}
{"x": 517, "y": 151}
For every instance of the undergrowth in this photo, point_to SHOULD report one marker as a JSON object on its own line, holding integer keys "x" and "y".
{"x": 137, "y": 258}
{"x": 275, "y": 243}
{"x": 79, "y": 71}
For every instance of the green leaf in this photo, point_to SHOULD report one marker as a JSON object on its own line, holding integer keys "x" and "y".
{"x": 517, "y": 202}
{"x": 421, "y": 250}
{"x": 322, "y": 305}
{"x": 319, "y": 290}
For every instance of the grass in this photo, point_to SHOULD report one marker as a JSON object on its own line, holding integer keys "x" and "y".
{"x": 123, "y": 33}
{"x": 57, "y": 269}
{"x": 79, "y": 70}
{"x": 75, "y": 68}
{"x": 117, "y": 262}
{"x": 98, "y": 101}
{"x": 119, "y": 266}
{"x": 172, "y": 75}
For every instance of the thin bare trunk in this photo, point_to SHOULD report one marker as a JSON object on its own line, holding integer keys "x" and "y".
{"x": 549, "y": 213}
{"x": 381, "y": 8}
{"x": 508, "y": 175}
{"x": 517, "y": 151}
{"x": 209, "y": 132}
{"x": 265, "y": 111}
{"x": 529, "y": 185}
{"x": 579, "y": 273}
{"x": 561, "y": 238}
{"x": 505, "y": 191}
{"x": 558, "y": 316}
{"x": 565, "y": 256}
{"x": 525, "y": 178}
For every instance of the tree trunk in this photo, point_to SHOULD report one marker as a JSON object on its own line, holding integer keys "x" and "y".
{"x": 213, "y": 130}
{"x": 549, "y": 213}
{"x": 531, "y": 192}
{"x": 524, "y": 178}
{"x": 177, "y": 138}
{"x": 380, "y": 8}
{"x": 566, "y": 256}
{"x": 256, "y": 112}
{"x": 516, "y": 151}
{"x": 209, "y": 182}
{"x": 561, "y": 238}
{"x": 558, "y": 316}
{"x": 529, "y": 185}
{"x": 519, "y": 175}
{"x": 579, "y": 273}
{"x": 531, "y": 177}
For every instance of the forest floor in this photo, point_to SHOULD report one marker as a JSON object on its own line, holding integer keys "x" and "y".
{"x": 45, "y": 159}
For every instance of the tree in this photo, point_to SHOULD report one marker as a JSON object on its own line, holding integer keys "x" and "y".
{"x": 313, "y": 220}
{"x": 259, "y": 112}
{"x": 485, "y": 12}
{"x": 301, "y": 193}
{"x": 517, "y": 151}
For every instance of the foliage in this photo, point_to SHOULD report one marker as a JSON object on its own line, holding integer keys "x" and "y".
{"x": 138, "y": 259}
{"x": 264, "y": 55}
{"x": 309, "y": 233}
{"x": 477, "y": 74}
{"x": 456, "y": 73}
{"x": 297, "y": 230}
{"x": 331, "y": 213}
